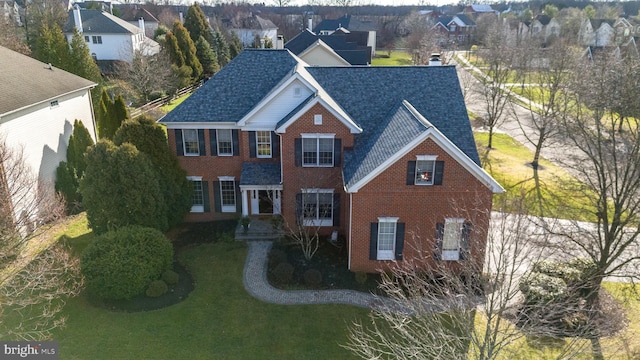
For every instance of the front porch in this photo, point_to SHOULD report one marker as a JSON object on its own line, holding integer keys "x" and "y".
{"x": 260, "y": 228}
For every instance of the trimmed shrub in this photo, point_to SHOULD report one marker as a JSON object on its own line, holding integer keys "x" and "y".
{"x": 157, "y": 288}
{"x": 539, "y": 288}
{"x": 313, "y": 277}
{"x": 121, "y": 264}
{"x": 361, "y": 277}
{"x": 170, "y": 277}
{"x": 277, "y": 256}
{"x": 283, "y": 273}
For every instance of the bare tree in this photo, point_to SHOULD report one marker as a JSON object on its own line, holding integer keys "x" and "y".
{"x": 604, "y": 152}
{"x": 497, "y": 58}
{"x": 148, "y": 73}
{"x": 452, "y": 312}
{"x": 34, "y": 277}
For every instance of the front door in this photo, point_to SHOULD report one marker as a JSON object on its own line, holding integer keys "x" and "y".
{"x": 265, "y": 202}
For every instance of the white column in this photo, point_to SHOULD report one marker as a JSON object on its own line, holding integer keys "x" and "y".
{"x": 245, "y": 203}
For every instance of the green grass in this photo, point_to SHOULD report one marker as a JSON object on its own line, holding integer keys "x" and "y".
{"x": 508, "y": 163}
{"x": 397, "y": 58}
{"x": 218, "y": 320}
{"x": 173, "y": 103}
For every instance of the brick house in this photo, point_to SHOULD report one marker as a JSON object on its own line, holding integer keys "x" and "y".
{"x": 384, "y": 156}
{"x": 458, "y": 29}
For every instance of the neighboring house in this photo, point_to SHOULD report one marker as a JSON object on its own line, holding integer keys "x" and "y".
{"x": 457, "y": 29}
{"x": 476, "y": 10}
{"x": 329, "y": 50}
{"x": 361, "y": 31}
{"x": 39, "y": 106}
{"x": 108, "y": 37}
{"x": 384, "y": 156}
{"x": 597, "y": 32}
{"x": 516, "y": 31}
{"x": 11, "y": 12}
{"x": 133, "y": 14}
{"x": 250, "y": 27}
{"x": 543, "y": 27}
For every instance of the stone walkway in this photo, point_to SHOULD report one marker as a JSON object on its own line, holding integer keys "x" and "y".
{"x": 256, "y": 283}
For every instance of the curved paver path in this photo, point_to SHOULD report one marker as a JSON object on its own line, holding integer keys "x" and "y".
{"x": 256, "y": 283}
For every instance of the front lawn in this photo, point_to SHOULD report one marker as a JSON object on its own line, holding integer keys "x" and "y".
{"x": 397, "y": 58}
{"x": 218, "y": 320}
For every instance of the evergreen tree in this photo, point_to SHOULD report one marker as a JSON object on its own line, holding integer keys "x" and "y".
{"x": 81, "y": 63}
{"x": 196, "y": 23}
{"x": 188, "y": 49}
{"x": 235, "y": 46}
{"x": 120, "y": 112}
{"x": 52, "y": 47}
{"x": 221, "y": 48}
{"x": 103, "y": 114}
{"x": 110, "y": 115}
{"x": 69, "y": 173}
{"x": 175, "y": 54}
{"x": 207, "y": 57}
{"x": 149, "y": 138}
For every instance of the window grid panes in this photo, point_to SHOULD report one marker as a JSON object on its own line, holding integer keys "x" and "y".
{"x": 424, "y": 172}
{"x": 198, "y": 194}
{"x": 228, "y": 193}
{"x": 263, "y": 143}
{"x": 452, "y": 235}
{"x": 97, "y": 39}
{"x": 386, "y": 236}
{"x": 318, "y": 206}
{"x": 225, "y": 146}
{"x": 317, "y": 151}
{"x": 190, "y": 139}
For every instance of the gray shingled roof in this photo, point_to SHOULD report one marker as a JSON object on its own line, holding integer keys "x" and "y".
{"x": 381, "y": 142}
{"x": 260, "y": 173}
{"x": 434, "y": 91}
{"x": 100, "y": 22}
{"x": 348, "y": 50}
{"x": 25, "y": 81}
{"x": 232, "y": 92}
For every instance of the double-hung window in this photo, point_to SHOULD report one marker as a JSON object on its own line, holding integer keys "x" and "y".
{"x": 97, "y": 39}
{"x": 425, "y": 166}
{"x": 225, "y": 142}
{"x": 317, "y": 150}
{"x": 451, "y": 238}
{"x": 263, "y": 144}
{"x": 317, "y": 207}
{"x": 387, "y": 237}
{"x": 190, "y": 142}
{"x": 228, "y": 194}
{"x": 197, "y": 202}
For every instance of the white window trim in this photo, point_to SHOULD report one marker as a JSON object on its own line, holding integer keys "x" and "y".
{"x": 197, "y": 208}
{"x": 387, "y": 254}
{"x": 317, "y": 137}
{"x": 257, "y": 147}
{"x": 452, "y": 255}
{"x": 317, "y": 119}
{"x": 317, "y": 221}
{"x": 426, "y": 157}
{"x": 228, "y": 208}
{"x": 433, "y": 171}
{"x": 218, "y": 142}
{"x": 184, "y": 144}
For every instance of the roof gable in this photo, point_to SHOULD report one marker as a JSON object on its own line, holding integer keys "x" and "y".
{"x": 333, "y": 24}
{"x": 25, "y": 81}
{"x": 100, "y": 22}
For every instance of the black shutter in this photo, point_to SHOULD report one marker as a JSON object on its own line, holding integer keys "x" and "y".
{"x": 217, "y": 202}
{"x": 298, "y": 151}
{"x": 201, "y": 144}
{"x": 252, "y": 144}
{"x": 213, "y": 142}
{"x": 439, "y": 171}
{"x": 179, "y": 146}
{"x": 238, "y": 197}
{"x": 411, "y": 173}
{"x": 299, "y": 209}
{"x": 275, "y": 145}
{"x": 337, "y": 152}
{"x": 336, "y": 209}
{"x": 235, "y": 142}
{"x": 373, "y": 242}
{"x": 205, "y": 196}
{"x": 399, "y": 240}
{"x": 465, "y": 246}
{"x": 437, "y": 252}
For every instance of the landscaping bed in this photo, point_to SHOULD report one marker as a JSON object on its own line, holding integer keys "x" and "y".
{"x": 328, "y": 269}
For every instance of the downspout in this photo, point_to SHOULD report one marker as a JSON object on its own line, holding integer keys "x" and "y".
{"x": 350, "y": 228}
{"x": 93, "y": 117}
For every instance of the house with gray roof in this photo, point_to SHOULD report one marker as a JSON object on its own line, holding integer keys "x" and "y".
{"x": 39, "y": 106}
{"x": 334, "y": 49}
{"x": 383, "y": 157}
{"x": 108, "y": 37}
{"x": 250, "y": 27}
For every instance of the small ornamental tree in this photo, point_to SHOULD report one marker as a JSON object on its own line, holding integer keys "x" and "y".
{"x": 150, "y": 139}
{"x": 121, "y": 264}
{"x": 70, "y": 172}
{"x": 120, "y": 187}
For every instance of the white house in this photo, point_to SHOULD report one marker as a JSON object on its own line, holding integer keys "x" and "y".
{"x": 544, "y": 27}
{"x": 109, "y": 37}
{"x": 249, "y": 27}
{"x": 597, "y": 32}
{"x": 39, "y": 106}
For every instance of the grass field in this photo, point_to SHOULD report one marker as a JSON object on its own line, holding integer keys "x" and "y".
{"x": 397, "y": 58}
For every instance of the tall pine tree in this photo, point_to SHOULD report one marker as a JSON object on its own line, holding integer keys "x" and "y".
{"x": 196, "y": 23}
{"x": 110, "y": 115}
{"x": 69, "y": 173}
{"x": 235, "y": 46}
{"x": 52, "y": 47}
{"x": 221, "y": 48}
{"x": 80, "y": 61}
{"x": 207, "y": 57}
{"x": 188, "y": 49}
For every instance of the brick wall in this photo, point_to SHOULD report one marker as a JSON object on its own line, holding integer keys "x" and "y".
{"x": 420, "y": 208}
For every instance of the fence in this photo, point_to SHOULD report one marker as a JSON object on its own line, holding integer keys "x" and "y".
{"x": 152, "y": 105}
